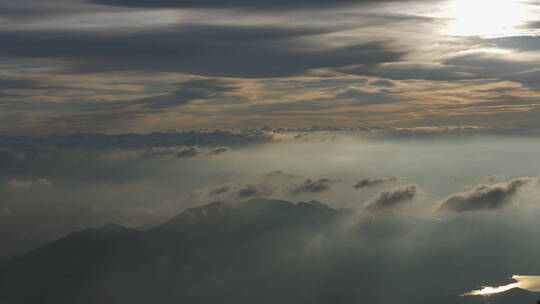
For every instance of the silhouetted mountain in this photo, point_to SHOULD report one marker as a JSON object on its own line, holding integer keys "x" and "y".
{"x": 186, "y": 251}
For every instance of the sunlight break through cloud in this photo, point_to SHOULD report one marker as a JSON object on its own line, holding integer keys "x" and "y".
{"x": 486, "y": 18}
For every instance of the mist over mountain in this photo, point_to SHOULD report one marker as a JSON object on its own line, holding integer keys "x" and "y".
{"x": 257, "y": 251}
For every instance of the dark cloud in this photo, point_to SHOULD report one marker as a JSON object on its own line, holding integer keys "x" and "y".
{"x": 367, "y": 183}
{"x": 233, "y": 51}
{"x": 243, "y": 4}
{"x": 391, "y": 199}
{"x": 312, "y": 186}
{"x": 485, "y": 197}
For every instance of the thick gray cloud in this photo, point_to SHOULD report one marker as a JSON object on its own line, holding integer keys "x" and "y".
{"x": 391, "y": 199}
{"x": 485, "y": 197}
{"x": 234, "y": 51}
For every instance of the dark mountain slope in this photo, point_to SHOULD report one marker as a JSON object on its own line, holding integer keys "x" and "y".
{"x": 184, "y": 252}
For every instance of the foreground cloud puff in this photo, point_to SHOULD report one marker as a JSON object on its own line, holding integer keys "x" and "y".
{"x": 485, "y": 197}
{"x": 390, "y": 199}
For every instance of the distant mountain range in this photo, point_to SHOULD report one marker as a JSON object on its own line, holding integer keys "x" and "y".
{"x": 253, "y": 252}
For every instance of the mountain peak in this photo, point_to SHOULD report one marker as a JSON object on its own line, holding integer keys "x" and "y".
{"x": 259, "y": 209}
{"x": 113, "y": 227}
{"x": 260, "y": 201}
{"x": 317, "y": 205}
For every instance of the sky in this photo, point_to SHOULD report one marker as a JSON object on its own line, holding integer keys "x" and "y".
{"x": 113, "y": 66}
{"x": 416, "y": 121}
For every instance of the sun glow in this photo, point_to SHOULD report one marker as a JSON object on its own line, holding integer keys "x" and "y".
{"x": 488, "y": 18}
